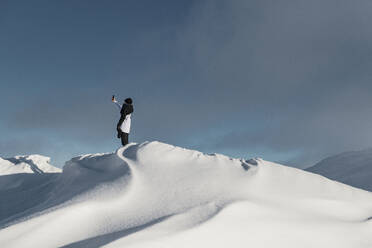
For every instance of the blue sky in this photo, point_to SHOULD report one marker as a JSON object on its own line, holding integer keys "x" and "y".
{"x": 286, "y": 81}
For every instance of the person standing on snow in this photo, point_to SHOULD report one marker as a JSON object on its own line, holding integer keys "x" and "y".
{"x": 123, "y": 126}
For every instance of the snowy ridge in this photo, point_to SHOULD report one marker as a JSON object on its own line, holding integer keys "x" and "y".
{"x": 158, "y": 195}
{"x": 353, "y": 168}
{"x": 27, "y": 164}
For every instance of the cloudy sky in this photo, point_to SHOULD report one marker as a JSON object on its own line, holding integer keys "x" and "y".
{"x": 289, "y": 81}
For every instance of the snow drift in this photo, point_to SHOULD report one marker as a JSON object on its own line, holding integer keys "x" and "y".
{"x": 353, "y": 168}
{"x": 158, "y": 195}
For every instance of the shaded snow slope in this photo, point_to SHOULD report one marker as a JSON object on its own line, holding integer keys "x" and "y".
{"x": 27, "y": 164}
{"x": 353, "y": 168}
{"x": 158, "y": 195}
{"x": 24, "y": 182}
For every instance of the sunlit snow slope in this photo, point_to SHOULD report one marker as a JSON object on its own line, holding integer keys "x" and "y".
{"x": 158, "y": 195}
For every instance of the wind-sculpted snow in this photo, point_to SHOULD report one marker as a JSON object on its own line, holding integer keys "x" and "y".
{"x": 158, "y": 195}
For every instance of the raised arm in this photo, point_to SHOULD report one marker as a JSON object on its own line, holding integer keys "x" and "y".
{"x": 117, "y": 104}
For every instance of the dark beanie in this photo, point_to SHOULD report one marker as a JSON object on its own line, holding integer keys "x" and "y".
{"x": 128, "y": 101}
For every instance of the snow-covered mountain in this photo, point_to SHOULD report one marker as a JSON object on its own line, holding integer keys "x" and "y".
{"x": 353, "y": 168}
{"x": 158, "y": 195}
{"x": 27, "y": 164}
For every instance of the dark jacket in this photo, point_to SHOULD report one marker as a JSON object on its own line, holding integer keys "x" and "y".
{"x": 126, "y": 109}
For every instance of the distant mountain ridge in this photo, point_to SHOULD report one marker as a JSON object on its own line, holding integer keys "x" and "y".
{"x": 353, "y": 168}
{"x": 27, "y": 164}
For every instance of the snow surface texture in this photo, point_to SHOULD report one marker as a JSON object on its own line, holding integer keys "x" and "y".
{"x": 158, "y": 195}
{"x": 353, "y": 168}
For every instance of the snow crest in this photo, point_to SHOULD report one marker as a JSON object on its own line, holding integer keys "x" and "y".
{"x": 158, "y": 195}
